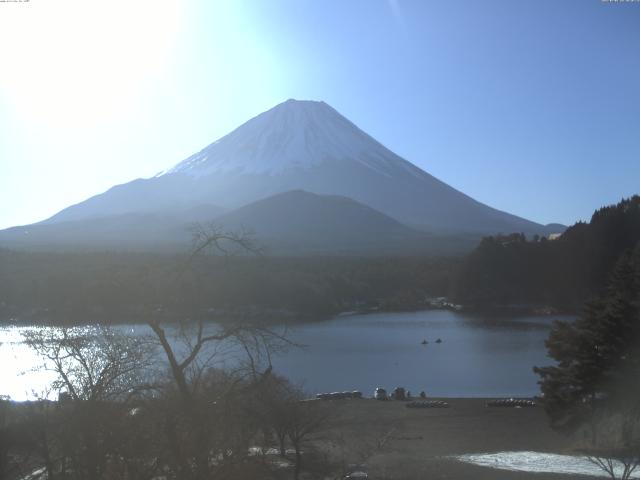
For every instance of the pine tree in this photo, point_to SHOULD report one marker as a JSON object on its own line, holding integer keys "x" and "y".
{"x": 598, "y": 355}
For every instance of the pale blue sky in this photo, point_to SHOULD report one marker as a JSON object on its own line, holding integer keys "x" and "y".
{"x": 529, "y": 106}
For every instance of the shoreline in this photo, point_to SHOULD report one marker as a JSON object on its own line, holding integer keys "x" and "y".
{"x": 274, "y": 318}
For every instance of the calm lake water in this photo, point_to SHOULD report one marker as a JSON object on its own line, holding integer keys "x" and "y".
{"x": 480, "y": 356}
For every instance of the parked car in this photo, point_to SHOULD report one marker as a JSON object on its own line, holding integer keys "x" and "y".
{"x": 399, "y": 394}
{"x": 357, "y": 471}
{"x": 356, "y": 475}
{"x": 380, "y": 394}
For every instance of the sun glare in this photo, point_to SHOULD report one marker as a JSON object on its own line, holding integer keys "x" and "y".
{"x": 77, "y": 62}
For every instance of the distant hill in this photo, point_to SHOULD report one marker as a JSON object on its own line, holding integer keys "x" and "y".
{"x": 564, "y": 272}
{"x": 303, "y": 222}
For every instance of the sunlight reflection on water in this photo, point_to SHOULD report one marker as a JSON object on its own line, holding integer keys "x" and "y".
{"x": 22, "y": 375}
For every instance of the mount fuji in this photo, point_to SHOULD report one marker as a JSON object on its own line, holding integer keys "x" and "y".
{"x": 295, "y": 146}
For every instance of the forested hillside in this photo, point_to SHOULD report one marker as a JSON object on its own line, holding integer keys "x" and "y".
{"x": 565, "y": 272}
{"x": 122, "y": 287}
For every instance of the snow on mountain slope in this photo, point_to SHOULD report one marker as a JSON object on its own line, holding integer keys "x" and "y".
{"x": 292, "y": 135}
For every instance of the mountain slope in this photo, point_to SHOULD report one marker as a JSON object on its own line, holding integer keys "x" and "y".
{"x": 309, "y": 146}
{"x": 169, "y": 230}
{"x": 299, "y": 221}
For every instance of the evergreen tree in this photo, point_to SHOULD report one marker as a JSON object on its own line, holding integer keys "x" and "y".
{"x": 598, "y": 355}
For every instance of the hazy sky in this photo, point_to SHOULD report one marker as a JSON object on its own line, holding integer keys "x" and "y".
{"x": 529, "y": 106}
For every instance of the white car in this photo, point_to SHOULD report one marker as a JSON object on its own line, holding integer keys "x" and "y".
{"x": 356, "y": 471}
{"x": 380, "y": 394}
{"x": 358, "y": 474}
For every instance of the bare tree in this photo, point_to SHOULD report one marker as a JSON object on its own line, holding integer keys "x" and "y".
{"x": 353, "y": 453}
{"x": 111, "y": 423}
{"x": 618, "y": 451}
{"x": 283, "y": 410}
{"x": 305, "y": 419}
{"x": 200, "y": 436}
{"x": 207, "y": 398}
{"x": 214, "y": 239}
{"x": 97, "y": 373}
{"x": 616, "y": 461}
{"x": 95, "y": 363}
{"x": 272, "y": 408}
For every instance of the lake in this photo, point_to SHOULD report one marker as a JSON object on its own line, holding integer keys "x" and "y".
{"x": 480, "y": 355}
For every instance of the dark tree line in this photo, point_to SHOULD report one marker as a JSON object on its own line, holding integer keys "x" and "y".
{"x": 119, "y": 287}
{"x": 566, "y": 272}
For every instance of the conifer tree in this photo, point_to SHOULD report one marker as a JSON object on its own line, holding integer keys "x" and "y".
{"x": 598, "y": 355}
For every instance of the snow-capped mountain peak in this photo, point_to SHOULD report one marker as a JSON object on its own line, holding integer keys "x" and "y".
{"x": 296, "y": 134}
{"x": 301, "y": 145}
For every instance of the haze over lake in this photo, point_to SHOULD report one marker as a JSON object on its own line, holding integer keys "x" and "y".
{"x": 480, "y": 356}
